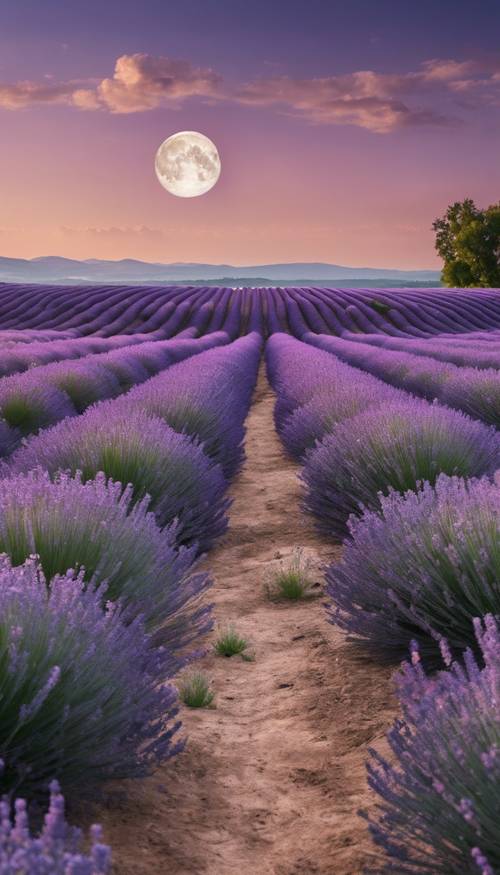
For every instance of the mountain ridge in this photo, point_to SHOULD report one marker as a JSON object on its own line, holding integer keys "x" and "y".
{"x": 58, "y": 269}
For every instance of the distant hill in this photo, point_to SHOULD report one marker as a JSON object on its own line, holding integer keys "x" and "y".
{"x": 53, "y": 269}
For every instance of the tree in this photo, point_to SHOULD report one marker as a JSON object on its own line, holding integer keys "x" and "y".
{"x": 468, "y": 241}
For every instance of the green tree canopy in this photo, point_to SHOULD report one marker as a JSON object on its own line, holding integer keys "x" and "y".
{"x": 468, "y": 241}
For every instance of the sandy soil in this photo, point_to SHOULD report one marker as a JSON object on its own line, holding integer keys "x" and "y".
{"x": 272, "y": 777}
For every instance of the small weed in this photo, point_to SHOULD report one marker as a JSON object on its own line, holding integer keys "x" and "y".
{"x": 194, "y": 690}
{"x": 230, "y": 643}
{"x": 248, "y": 657}
{"x": 292, "y": 581}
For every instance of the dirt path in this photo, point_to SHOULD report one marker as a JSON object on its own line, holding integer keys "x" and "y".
{"x": 272, "y": 777}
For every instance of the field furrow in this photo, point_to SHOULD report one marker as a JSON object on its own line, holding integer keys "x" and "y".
{"x": 272, "y": 777}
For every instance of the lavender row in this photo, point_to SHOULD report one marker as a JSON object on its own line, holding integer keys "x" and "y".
{"x": 113, "y": 595}
{"x": 130, "y": 441}
{"x": 136, "y": 310}
{"x": 371, "y": 469}
{"x": 474, "y": 391}
{"x": 92, "y": 633}
{"x": 421, "y": 565}
{"x": 18, "y": 357}
{"x": 473, "y": 353}
{"x": 376, "y": 444}
{"x": 208, "y": 398}
{"x": 47, "y": 394}
{"x": 373, "y": 438}
{"x": 103, "y": 310}
{"x": 315, "y": 392}
{"x": 25, "y": 336}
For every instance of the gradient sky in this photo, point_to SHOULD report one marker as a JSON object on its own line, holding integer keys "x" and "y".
{"x": 344, "y": 128}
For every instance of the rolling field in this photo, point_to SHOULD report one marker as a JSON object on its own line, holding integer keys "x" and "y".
{"x": 250, "y": 580}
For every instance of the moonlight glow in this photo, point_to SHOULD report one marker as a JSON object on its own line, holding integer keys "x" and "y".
{"x": 187, "y": 164}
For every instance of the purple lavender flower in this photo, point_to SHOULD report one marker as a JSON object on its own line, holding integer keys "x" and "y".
{"x": 144, "y": 310}
{"x": 22, "y": 356}
{"x": 298, "y": 372}
{"x": 130, "y": 447}
{"x": 336, "y": 401}
{"x": 421, "y": 376}
{"x": 477, "y": 351}
{"x": 95, "y": 528}
{"x": 28, "y": 403}
{"x": 395, "y": 446}
{"x": 84, "y": 697}
{"x": 44, "y": 395}
{"x": 56, "y": 850}
{"x": 84, "y": 382}
{"x": 475, "y": 391}
{"x": 207, "y": 397}
{"x": 422, "y": 568}
{"x": 439, "y": 806}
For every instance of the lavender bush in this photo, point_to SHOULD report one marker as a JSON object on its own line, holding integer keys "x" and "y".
{"x": 207, "y": 397}
{"x": 125, "y": 367}
{"x": 477, "y": 392}
{"x": 310, "y": 422}
{"x": 395, "y": 446}
{"x": 22, "y": 356}
{"x": 422, "y": 568}
{"x": 27, "y": 404}
{"x": 480, "y": 351}
{"x": 422, "y": 376}
{"x": 295, "y": 372}
{"x": 94, "y": 527}
{"x": 45, "y": 395}
{"x": 315, "y": 391}
{"x": 193, "y": 413}
{"x": 85, "y": 381}
{"x": 84, "y": 697}
{"x": 439, "y": 806}
{"x": 56, "y": 850}
{"x": 129, "y": 447}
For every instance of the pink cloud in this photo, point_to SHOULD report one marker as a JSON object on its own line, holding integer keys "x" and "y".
{"x": 24, "y": 94}
{"x": 142, "y": 82}
{"x": 378, "y": 102}
{"x": 366, "y": 99}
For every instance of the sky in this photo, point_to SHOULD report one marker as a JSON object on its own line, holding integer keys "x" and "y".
{"x": 344, "y": 127}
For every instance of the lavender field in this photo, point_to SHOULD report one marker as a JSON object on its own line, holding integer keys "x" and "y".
{"x": 250, "y": 580}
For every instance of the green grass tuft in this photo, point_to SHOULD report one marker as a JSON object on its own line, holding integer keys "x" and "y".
{"x": 292, "y": 581}
{"x": 194, "y": 690}
{"x": 230, "y": 643}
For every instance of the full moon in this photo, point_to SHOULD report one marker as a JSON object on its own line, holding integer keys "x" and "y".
{"x": 187, "y": 164}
